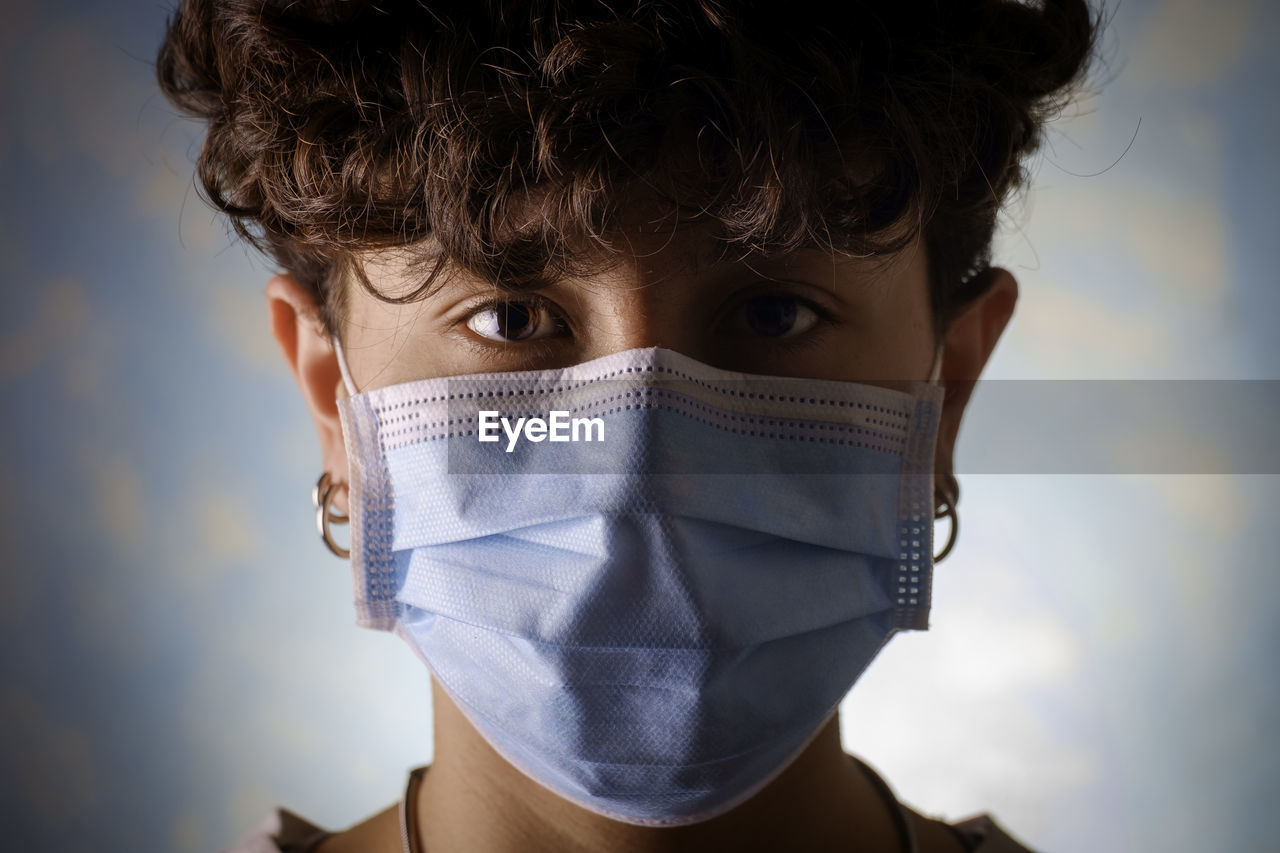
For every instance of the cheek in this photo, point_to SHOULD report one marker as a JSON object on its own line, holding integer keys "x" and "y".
{"x": 906, "y": 320}
{"x": 386, "y": 344}
{"x": 904, "y": 339}
{"x": 893, "y": 339}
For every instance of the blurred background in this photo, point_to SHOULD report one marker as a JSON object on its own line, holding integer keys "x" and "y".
{"x": 180, "y": 650}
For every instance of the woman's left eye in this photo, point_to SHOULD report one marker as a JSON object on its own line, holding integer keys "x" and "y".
{"x": 512, "y": 322}
{"x": 773, "y": 315}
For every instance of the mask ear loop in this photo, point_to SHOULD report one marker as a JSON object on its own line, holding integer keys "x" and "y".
{"x": 325, "y": 489}
{"x": 949, "y": 492}
{"x": 935, "y": 372}
{"x": 342, "y": 367}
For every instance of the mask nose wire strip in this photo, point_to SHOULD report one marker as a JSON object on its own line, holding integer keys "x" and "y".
{"x": 934, "y": 372}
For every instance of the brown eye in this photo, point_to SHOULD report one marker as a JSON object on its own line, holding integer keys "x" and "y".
{"x": 773, "y": 315}
{"x": 511, "y": 321}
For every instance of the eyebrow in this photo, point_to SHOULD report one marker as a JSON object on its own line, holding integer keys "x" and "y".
{"x": 707, "y": 257}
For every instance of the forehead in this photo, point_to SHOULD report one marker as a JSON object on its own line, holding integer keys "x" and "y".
{"x": 647, "y": 251}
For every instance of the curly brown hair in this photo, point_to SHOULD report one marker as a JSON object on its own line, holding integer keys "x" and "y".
{"x": 509, "y": 134}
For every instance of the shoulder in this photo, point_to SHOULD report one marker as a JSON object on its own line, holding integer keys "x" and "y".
{"x": 281, "y": 831}
{"x": 977, "y": 834}
{"x": 987, "y": 836}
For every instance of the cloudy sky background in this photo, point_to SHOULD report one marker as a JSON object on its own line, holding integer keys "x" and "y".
{"x": 180, "y": 650}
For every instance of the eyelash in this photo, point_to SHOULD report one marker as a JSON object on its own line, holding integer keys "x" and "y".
{"x": 495, "y": 349}
{"x": 809, "y": 338}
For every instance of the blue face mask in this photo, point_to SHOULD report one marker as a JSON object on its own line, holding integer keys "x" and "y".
{"x": 652, "y": 620}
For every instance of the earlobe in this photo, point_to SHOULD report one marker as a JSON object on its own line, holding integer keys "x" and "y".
{"x": 305, "y": 345}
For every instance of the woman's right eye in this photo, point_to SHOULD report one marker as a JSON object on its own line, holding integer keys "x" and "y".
{"x": 512, "y": 322}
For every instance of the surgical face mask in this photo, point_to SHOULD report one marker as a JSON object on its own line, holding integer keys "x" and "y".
{"x": 652, "y": 582}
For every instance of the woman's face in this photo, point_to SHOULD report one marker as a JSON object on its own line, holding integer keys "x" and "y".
{"x": 804, "y": 314}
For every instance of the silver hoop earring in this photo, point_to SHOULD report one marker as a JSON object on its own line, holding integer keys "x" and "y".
{"x": 948, "y": 496}
{"x": 322, "y": 499}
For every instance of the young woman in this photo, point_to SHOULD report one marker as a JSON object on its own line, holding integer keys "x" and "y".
{"x": 637, "y": 337}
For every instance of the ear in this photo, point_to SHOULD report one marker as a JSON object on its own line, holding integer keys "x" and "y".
{"x": 295, "y": 322}
{"x": 967, "y": 344}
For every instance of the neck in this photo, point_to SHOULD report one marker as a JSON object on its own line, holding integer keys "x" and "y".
{"x": 473, "y": 799}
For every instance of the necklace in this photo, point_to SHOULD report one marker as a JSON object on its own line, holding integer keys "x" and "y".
{"x": 906, "y": 831}
{"x": 409, "y": 814}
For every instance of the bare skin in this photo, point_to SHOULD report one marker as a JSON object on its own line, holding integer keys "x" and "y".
{"x": 856, "y": 320}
